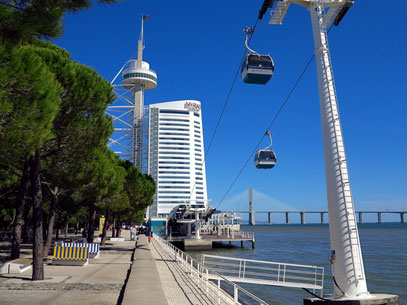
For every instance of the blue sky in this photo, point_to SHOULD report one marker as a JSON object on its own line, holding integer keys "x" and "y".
{"x": 196, "y": 46}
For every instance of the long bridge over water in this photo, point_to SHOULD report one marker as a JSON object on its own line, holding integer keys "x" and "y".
{"x": 321, "y": 213}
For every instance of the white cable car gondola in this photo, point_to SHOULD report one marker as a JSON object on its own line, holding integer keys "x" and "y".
{"x": 257, "y": 68}
{"x": 265, "y": 158}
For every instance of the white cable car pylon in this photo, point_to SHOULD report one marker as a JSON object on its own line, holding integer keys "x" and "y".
{"x": 346, "y": 256}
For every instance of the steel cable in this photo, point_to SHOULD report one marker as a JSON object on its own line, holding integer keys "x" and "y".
{"x": 223, "y": 108}
{"x": 271, "y": 124}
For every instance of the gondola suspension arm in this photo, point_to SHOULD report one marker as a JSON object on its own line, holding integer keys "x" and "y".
{"x": 268, "y": 133}
{"x": 249, "y": 31}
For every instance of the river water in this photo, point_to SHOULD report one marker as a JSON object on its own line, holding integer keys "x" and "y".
{"x": 384, "y": 250}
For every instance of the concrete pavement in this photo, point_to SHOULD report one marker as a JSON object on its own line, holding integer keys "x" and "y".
{"x": 144, "y": 286}
{"x": 100, "y": 282}
{"x": 152, "y": 277}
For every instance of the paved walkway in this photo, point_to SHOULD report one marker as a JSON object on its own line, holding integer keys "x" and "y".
{"x": 156, "y": 279}
{"x": 178, "y": 286}
{"x": 100, "y": 282}
{"x": 153, "y": 278}
{"x": 143, "y": 286}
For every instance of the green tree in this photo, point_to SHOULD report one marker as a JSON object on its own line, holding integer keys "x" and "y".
{"x": 112, "y": 207}
{"x": 140, "y": 188}
{"x": 30, "y": 98}
{"x": 25, "y": 21}
{"x": 79, "y": 127}
{"x": 104, "y": 178}
{"x": 73, "y": 133}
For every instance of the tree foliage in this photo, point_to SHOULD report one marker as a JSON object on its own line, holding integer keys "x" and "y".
{"x": 30, "y": 97}
{"x": 54, "y": 133}
{"x": 25, "y": 21}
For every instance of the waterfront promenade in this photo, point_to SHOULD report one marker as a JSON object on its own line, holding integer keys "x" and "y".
{"x": 127, "y": 272}
{"x": 156, "y": 278}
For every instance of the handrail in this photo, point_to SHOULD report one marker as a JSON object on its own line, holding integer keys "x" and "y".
{"x": 282, "y": 274}
{"x": 258, "y": 261}
{"x": 200, "y": 273}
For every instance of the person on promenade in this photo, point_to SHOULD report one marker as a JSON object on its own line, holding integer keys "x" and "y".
{"x": 132, "y": 233}
{"x": 84, "y": 236}
{"x": 149, "y": 239}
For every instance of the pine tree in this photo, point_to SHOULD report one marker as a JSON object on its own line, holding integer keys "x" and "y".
{"x": 24, "y": 21}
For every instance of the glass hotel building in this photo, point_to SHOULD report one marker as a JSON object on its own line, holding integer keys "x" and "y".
{"x": 176, "y": 155}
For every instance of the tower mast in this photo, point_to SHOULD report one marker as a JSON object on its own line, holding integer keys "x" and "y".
{"x": 140, "y": 45}
{"x": 138, "y": 92}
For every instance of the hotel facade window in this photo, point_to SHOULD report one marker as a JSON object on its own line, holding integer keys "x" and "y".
{"x": 175, "y": 155}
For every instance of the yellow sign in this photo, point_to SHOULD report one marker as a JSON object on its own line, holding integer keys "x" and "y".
{"x": 101, "y": 224}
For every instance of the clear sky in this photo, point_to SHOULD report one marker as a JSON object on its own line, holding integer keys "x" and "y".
{"x": 196, "y": 47}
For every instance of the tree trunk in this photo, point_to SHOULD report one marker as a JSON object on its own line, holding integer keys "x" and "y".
{"x": 58, "y": 225}
{"x": 104, "y": 231}
{"x": 38, "y": 260}
{"x": 27, "y": 224}
{"x": 15, "y": 247}
{"x": 118, "y": 227}
{"x": 113, "y": 227}
{"x": 51, "y": 221}
{"x": 44, "y": 225}
{"x": 92, "y": 215}
{"x": 66, "y": 226}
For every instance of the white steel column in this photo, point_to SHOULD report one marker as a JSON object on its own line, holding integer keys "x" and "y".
{"x": 197, "y": 226}
{"x": 347, "y": 264}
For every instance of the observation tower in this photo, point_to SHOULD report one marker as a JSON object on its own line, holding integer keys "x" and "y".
{"x": 129, "y": 139}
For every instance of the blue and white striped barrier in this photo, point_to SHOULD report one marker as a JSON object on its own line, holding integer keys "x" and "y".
{"x": 92, "y": 248}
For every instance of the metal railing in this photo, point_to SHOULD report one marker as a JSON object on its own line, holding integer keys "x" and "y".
{"x": 266, "y": 273}
{"x": 245, "y": 234}
{"x": 218, "y": 288}
{"x": 229, "y": 233}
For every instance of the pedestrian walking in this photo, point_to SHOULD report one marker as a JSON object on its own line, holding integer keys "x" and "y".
{"x": 84, "y": 236}
{"x": 132, "y": 233}
{"x": 149, "y": 239}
